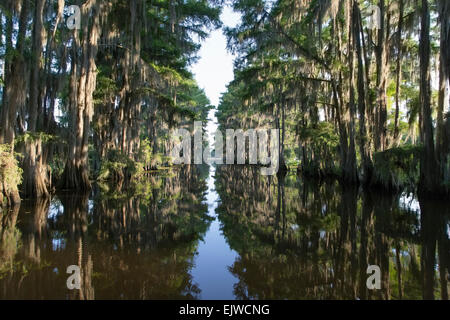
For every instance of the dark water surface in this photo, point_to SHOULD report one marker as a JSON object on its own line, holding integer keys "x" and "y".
{"x": 226, "y": 233}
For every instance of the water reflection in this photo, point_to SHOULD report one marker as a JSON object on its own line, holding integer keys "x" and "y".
{"x": 305, "y": 240}
{"x": 132, "y": 244}
{"x": 290, "y": 238}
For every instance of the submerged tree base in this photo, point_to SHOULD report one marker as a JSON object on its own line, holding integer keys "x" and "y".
{"x": 393, "y": 170}
{"x": 10, "y": 177}
{"x": 35, "y": 176}
{"x": 75, "y": 177}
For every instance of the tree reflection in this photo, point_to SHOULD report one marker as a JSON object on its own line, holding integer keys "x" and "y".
{"x": 135, "y": 243}
{"x": 295, "y": 239}
{"x": 9, "y": 239}
{"x": 306, "y": 240}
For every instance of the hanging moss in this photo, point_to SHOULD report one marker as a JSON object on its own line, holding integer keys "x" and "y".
{"x": 117, "y": 167}
{"x": 397, "y": 168}
{"x": 321, "y": 147}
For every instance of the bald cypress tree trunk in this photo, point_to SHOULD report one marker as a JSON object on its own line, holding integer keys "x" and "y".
{"x": 382, "y": 78}
{"x": 83, "y": 81}
{"x": 35, "y": 170}
{"x": 15, "y": 86}
{"x": 14, "y": 93}
{"x": 428, "y": 164}
{"x": 399, "y": 72}
{"x": 351, "y": 166}
{"x": 442, "y": 138}
{"x": 364, "y": 145}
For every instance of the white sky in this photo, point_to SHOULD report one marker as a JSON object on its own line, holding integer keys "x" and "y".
{"x": 214, "y": 70}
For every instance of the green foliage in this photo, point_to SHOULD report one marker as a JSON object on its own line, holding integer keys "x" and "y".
{"x": 293, "y": 63}
{"x": 148, "y": 159}
{"x": 117, "y": 167}
{"x": 397, "y": 168}
{"x": 10, "y": 173}
{"x": 145, "y": 152}
{"x": 321, "y": 135}
{"x": 322, "y": 144}
{"x": 105, "y": 88}
{"x": 35, "y": 136}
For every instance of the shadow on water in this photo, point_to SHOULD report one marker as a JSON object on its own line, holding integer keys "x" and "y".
{"x": 290, "y": 238}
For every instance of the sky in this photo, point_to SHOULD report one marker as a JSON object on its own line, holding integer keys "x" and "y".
{"x": 214, "y": 70}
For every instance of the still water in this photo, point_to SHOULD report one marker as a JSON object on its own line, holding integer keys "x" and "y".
{"x": 226, "y": 233}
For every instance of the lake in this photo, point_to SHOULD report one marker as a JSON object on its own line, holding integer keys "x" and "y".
{"x": 226, "y": 232}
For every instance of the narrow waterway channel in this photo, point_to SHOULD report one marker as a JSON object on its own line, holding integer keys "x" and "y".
{"x": 214, "y": 258}
{"x": 214, "y": 254}
{"x": 225, "y": 232}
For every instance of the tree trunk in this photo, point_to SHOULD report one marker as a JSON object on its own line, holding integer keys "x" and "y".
{"x": 83, "y": 82}
{"x": 350, "y": 169}
{"x": 34, "y": 183}
{"x": 15, "y": 85}
{"x": 382, "y": 75}
{"x": 398, "y": 71}
{"x": 428, "y": 166}
{"x": 364, "y": 143}
{"x": 35, "y": 170}
{"x": 14, "y": 94}
{"x": 442, "y": 149}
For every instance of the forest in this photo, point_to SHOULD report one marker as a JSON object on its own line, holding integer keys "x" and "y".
{"x": 95, "y": 103}
{"x": 358, "y": 89}
{"x": 92, "y": 91}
